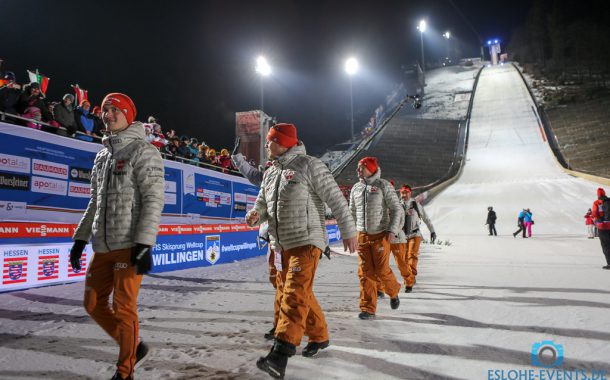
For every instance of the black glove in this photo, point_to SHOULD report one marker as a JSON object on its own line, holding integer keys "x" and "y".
{"x": 326, "y": 253}
{"x": 433, "y": 237}
{"x": 236, "y": 147}
{"x": 141, "y": 257}
{"x": 76, "y": 252}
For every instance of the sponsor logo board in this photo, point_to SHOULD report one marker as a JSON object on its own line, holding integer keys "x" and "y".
{"x": 49, "y": 186}
{"x": 13, "y": 163}
{"x": 49, "y": 169}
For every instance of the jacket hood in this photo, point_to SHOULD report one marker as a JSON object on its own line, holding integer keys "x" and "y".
{"x": 120, "y": 140}
{"x": 601, "y": 193}
{"x": 372, "y": 178}
{"x": 290, "y": 154}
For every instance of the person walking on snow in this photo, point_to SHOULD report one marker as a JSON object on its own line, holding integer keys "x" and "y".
{"x": 520, "y": 224}
{"x": 291, "y": 199}
{"x": 590, "y": 224}
{"x": 527, "y": 222}
{"x": 378, "y": 215}
{"x": 414, "y": 215}
{"x": 601, "y": 214}
{"x": 491, "y": 221}
{"x": 122, "y": 219}
{"x": 255, "y": 176}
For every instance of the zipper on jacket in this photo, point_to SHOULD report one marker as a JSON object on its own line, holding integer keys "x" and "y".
{"x": 364, "y": 207}
{"x": 106, "y": 198}
{"x": 277, "y": 198}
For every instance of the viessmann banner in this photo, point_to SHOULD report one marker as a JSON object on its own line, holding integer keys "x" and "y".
{"x": 38, "y": 254}
{"x": 47, "y": 178}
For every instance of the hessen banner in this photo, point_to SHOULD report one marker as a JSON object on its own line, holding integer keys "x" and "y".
{"x": 46, "y": 177}
{"x": 37, "y": 254}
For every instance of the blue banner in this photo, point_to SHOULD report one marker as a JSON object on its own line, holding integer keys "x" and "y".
{"x": 46, "y": 177}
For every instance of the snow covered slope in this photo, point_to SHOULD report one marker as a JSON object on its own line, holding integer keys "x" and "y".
{"x": 479, "y": 304}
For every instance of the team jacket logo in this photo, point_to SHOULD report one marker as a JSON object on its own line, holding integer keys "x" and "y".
{"x": 289, "y": 174}
{"x": 120, "y": 164}
{"x": 373, "y": 189}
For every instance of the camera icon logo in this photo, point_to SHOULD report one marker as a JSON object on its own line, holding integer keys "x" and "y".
{"x": 547, "y": 354}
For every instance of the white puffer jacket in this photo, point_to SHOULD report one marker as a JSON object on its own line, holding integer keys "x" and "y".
{"x": 415, "y": 214}
{"x": 375, "y": 206}
{"x": 127, "y": 186}
{"x": 292, "y": 198}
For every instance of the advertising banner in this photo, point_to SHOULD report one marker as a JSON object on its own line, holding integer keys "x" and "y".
{"x": 37, "y": 254}
{"x": 46, "y": 177}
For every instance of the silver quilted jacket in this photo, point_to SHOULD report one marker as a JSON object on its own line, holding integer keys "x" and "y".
{"x": 292, "y": 198}
{"x": 415, "y": 214}
{"x": 375, "y": 206}
{"x": 127, "y": 186}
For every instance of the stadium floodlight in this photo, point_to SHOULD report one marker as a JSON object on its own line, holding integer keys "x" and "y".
{"x": 262, "y": 66}
{"x": 264, "y": 70}
{"x": 351, "y": 66}
{"x": 422, "y": 28}
{"x": 447, "y": 35}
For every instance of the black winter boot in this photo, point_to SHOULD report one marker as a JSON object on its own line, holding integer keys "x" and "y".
{"x": 312, "y": 348}
{"x": 117, "y": 376}
{"x": 394, "y": 303}
{"x": 276, "y": 361}
{"x": 270, "y": 335}
{"x": 365, "y": 315}
{"x": 380, "y": 294}
{"x": 142, "y": 352}
{"x": 408, "y": 289}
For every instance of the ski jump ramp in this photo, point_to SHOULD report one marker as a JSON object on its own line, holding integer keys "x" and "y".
{"x": 480, "y": 305}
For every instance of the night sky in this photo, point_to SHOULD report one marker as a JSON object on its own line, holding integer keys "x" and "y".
{"x": 191, "y": 63}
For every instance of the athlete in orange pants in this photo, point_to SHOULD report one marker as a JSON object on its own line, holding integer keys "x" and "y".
{"x": 112, "y": 272}
{"x": 399, "y": 250}
{"x": 374, "y": 263}
{"x": 122, "y": 221}
{"x": 414, "y": 215}
{"x": 378, "y": 215}
{"x": 291, "y": 199}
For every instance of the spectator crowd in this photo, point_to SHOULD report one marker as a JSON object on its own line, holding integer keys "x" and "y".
{"x": 27, "y": 105}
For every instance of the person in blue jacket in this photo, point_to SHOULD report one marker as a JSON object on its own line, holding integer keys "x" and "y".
{"x": 520, "y": 224}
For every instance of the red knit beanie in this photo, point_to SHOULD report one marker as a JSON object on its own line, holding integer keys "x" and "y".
{"x": 122, "y": 102}
{"x": 601, "y": 193}
{"x": 370, "y": 163}
{"x": 284, "y": 134}
{"x": 405, "y": 189}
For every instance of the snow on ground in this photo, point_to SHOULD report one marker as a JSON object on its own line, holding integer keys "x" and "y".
{"x": 479, "y": 304}
{"x": 442, "y": 85}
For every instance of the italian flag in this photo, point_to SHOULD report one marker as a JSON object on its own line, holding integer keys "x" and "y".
{"x": 40, "y": 79}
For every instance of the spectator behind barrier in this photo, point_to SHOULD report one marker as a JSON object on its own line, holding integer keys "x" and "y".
{"x": 32, "y": 97}
{"x": 193, "y": 149}
{"x": 84, "y": 119}
{"x": 64, "y": 114}
{"x": 99, "y": 126}
{"x": 9, "y": 93}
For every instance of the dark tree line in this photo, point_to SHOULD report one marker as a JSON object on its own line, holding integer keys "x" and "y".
{"x": 565, "y": 40}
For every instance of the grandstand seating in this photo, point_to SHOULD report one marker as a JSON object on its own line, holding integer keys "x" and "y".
{"x": 410, "y": 150}
{"x": 583, "y": 134}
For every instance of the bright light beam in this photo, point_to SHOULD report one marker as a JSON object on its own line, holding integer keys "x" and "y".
{"x": 351, "y": 66}
{"x": 262, "y": 66}
{"x": 422, "y": 26}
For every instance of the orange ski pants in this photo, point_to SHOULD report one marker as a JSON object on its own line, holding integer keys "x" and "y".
{"x": 412, "y": 259}
{"x": 112, "y": 272}
{"x": 374, "y": 263}
{"x": 299, "y": 311}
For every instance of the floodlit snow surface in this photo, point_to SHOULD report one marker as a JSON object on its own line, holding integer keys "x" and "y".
{"x": 479, "y": 303}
